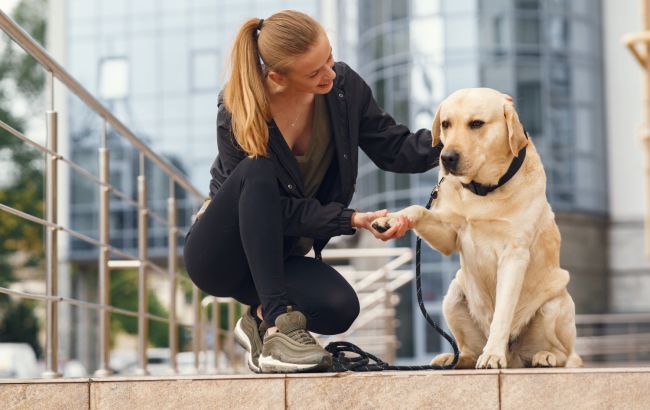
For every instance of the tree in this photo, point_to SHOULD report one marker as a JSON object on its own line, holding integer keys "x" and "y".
{"x": 22, "y": 176}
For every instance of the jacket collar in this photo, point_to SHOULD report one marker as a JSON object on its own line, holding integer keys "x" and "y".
{"x": 278, "y": 146}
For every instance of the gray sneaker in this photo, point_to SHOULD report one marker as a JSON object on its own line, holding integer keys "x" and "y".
{"x": 248, "y": 336}
{"x": 292, "y": 348}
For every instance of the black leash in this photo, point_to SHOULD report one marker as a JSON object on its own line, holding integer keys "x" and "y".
{"x": 362, "y": 361}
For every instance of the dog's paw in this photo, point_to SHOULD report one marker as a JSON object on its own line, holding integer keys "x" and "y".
{"x": 491, "y": 361}
{"x": 383, "y": 224}
{"x": 445, "y": 359}
{"x": 544, "y": 359}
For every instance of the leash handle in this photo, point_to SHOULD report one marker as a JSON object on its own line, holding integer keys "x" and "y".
{"x": 361, "y": 362}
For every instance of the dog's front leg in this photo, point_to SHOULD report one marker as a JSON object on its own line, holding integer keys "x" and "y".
{"x": 510, "y": 277}
{"x": 427, "y": 224}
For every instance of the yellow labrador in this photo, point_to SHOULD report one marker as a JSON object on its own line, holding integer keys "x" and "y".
{"x": 508, "y": 305}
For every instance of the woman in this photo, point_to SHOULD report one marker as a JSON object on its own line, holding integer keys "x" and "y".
{"x": 289, "y": 125}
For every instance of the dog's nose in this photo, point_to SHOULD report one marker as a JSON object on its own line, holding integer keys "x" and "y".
{"x": 450, "y": 160}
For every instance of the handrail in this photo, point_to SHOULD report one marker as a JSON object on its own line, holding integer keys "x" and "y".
{"x": 28, "y": 44}
{"x": 145, "y": 211}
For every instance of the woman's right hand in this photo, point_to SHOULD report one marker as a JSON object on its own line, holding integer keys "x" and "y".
{"x": 365, "y": 220}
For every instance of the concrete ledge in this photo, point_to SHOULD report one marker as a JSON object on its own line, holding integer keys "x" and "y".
{"x": 223, "y": 392}
{"x": 45, "y": 394}
{"x": 624, "y": 388}
{"x": 395, "y": 390}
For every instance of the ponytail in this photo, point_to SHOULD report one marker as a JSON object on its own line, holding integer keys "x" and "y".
{"x": 245, "y": 94}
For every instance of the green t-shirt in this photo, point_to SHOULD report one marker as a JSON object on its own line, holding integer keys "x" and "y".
{"x": 316, "y": 161}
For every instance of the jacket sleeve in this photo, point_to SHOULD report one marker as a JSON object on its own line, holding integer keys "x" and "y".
{"x": 391, "y": 146}
{"x": 309, "y": 218}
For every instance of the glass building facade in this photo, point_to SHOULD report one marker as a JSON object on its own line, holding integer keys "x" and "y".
{"x": 547, "y": 54}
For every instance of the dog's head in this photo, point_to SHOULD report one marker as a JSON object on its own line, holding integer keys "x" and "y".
{"x": 481, "y": 134}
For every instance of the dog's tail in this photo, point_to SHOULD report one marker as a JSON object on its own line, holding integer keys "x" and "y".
{"x": 573, "y": 360}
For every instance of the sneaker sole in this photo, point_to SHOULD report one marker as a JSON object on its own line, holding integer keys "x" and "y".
{"x": 270, "y": 365}
{"x": 242, "y": 340}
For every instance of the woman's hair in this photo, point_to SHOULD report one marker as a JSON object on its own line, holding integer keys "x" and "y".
{"x": 262, "y": 45}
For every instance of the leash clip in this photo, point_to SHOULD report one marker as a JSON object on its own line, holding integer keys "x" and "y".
{"x": 434, "y": 192}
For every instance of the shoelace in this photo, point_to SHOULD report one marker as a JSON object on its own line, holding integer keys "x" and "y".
{"x": 302, "y": 336}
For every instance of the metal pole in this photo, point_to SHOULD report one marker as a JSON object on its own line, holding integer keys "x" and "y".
{"x": 51, "y": 249}
{"x": 645, "y": 9}
{"x": 196, "y": 307}
{"x": 142, "y": 271}
{"x": 216, "y": 321}
{"x": 234, "y": 363}
{"x": 104, "y": 273}
{"x": 389, "y": 329}
{"x": 172, "y": 261}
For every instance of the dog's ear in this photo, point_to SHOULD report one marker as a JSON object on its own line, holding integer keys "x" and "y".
{"x": 435, "y": 128}
{"x": 516, "y": 136}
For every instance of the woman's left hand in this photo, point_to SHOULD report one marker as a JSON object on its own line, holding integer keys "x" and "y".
{"x": 365, "y": 220}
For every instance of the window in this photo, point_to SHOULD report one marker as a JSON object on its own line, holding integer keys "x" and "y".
{"x": 205, "y": 70}
{"x": 114, "y": 78}
{"x": 529, "y": 99}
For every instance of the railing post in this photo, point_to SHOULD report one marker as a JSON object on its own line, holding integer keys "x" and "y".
{"x": 51, "y": 248}
{"x": 389, "y": 329}
{"x": 143, "y": 244}
{"x": 196, "y": 308}
{"x": 104, "y": 273}
{"x": 172, "y": 261}
{"x": 216, "y": 321}
{"x": 234, "y": 363}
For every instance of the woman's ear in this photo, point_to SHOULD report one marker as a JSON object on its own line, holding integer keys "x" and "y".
{"x": 435, "y": 128}
{"x": 277, "y": 78}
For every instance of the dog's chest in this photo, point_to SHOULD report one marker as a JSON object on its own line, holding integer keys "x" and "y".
{"x": 480, "y": 246}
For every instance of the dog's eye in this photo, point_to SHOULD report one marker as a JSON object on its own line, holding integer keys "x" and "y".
{"x": 445, "y": 124}
{"x": 476, "y": 124}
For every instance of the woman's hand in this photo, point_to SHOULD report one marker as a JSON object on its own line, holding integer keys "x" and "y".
{"x": 365, "y": 220}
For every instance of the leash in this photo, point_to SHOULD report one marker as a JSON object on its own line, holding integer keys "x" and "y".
{"x": 362, "y": 361}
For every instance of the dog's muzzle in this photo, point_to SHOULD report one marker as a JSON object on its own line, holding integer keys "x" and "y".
{"x": 450, "y": 160}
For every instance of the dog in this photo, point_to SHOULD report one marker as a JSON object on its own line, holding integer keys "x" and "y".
{"x": 508, "y": 305}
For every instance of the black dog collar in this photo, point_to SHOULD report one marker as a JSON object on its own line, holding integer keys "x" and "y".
{"x": 482, "y": 190}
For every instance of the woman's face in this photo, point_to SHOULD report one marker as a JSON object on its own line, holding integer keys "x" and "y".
{"x": 311, "y": 72}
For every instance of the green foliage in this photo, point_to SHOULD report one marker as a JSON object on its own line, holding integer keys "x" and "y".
{"x": 124, "y": 295}
{"x": 19, "y": 324}
{"x": 24, "y": 190}
{"x": 22, "y": 174}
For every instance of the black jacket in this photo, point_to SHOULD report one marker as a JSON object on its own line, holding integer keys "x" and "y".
{"x": 356, "y": 121}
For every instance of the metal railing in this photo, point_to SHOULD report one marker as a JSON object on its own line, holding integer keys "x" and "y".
{"x": 53, "y": 228}
{"x": 375, "y": 328}
{"x": 614, "y": 339}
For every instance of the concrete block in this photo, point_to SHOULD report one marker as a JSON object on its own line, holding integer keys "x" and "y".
{"x": 395, "y": 390}
{"x": 69, "y": 394}
{"x": 214, "y": 392}
{"x": 575, "y": 389}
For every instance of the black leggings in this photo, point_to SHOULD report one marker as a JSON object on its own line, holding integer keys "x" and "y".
{"x": 236, "y": 250}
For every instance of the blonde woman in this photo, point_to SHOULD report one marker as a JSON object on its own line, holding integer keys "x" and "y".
{"x": 289, "y": 126}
